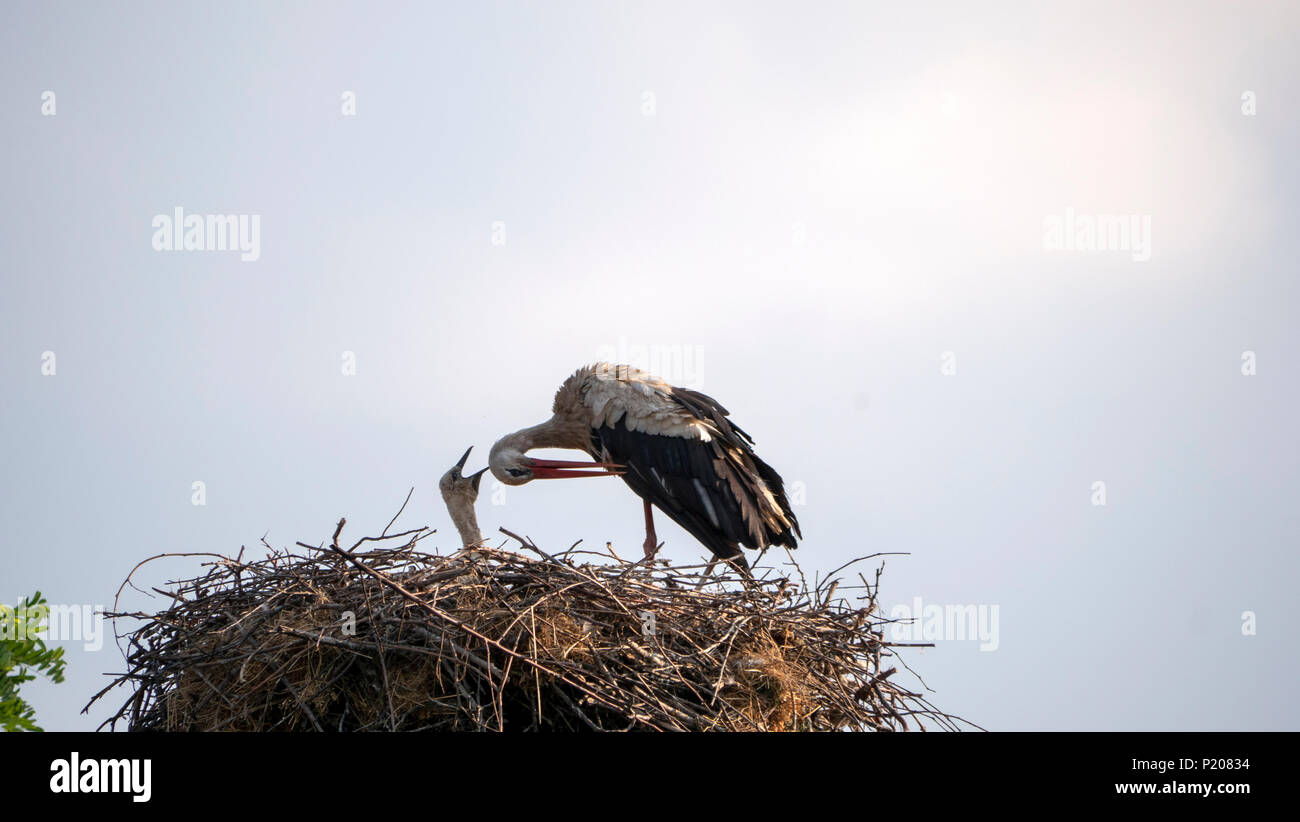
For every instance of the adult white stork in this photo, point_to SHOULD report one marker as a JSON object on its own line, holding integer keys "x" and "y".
{"x": 673, "y": 446}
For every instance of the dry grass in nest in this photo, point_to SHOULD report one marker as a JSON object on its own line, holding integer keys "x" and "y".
{"x": 393, "y": 638}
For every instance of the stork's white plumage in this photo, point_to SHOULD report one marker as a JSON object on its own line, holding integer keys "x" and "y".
{"x": 674, "y": 447}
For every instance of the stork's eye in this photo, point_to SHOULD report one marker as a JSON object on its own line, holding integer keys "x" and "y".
{"x": 517, "y": 472}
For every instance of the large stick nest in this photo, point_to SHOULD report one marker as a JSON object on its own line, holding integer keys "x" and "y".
{"x": 396, "y": 639}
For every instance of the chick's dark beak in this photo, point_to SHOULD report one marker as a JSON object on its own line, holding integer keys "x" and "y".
{"x": 461, "y": 463}
{"x": 475, "y": 477}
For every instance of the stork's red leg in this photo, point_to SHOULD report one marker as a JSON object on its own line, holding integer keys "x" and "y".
{"x": 651, "y": 541}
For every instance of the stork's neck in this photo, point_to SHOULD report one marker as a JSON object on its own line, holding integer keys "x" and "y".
{"x": 461, "y": 509}
{"x": 557, "y": 432}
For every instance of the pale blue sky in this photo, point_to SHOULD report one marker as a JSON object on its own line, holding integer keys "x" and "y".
{"x": 823, "y": 200}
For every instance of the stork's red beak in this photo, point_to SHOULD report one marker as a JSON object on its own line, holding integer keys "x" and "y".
{"x": 564, "y": 469}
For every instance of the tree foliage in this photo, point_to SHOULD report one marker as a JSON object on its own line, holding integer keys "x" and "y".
{"x": 23, "y": 656}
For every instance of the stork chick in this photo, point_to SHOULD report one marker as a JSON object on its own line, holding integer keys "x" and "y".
{"x": 460, "y": 493}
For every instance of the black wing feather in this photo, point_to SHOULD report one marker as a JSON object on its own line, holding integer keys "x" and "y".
{"x": 704, "y": 407}
{"x": 666, "y": 469}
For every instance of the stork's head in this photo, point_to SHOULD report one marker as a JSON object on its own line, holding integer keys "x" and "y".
{"x": 511, "y": 466}
{"x": 456, "y": 485}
